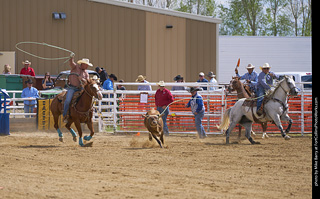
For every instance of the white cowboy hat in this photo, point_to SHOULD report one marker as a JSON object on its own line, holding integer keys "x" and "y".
{"x": 210, "y": 74}
{"x": 161, "y": 83}
{"x": 201, "y": 74}
{"x": 26, "y": 62}
{"x": 140, "y": 78}
{"x": 250, "y": 66}
{"x": 84, "y": 61}
{"x": 265, "y": 65}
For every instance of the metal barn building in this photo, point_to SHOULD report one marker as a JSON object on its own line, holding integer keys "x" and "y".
{"x": 284, "y": 54}
{"x": 126, "y": 39}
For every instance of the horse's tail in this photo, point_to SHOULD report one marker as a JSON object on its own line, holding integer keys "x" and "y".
{"x": 225, "y": 120}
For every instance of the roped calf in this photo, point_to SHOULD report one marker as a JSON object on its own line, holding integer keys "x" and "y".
{"x": 153, "y": 122}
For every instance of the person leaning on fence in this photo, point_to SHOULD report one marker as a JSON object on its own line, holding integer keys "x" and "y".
{"x": 212, "y": 80}
{"x": 202, "y": 79}
{"x": 75, "y": 81}
{"x": 142, "y": 79}
{"x": 163, "y": 98}
{"x": 47, "y": 82}
{"x": 27, "y": 70}
{"x": 178, "y": 79}
{"x": 29, "y": 92}
{"x": 198, "y": 109}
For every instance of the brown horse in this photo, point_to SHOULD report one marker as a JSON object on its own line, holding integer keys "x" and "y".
{"x": 243, "y": 91}
{"x": 81, "y": 112}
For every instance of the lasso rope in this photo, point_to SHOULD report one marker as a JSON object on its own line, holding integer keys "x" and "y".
{"x": 44, "y": 44}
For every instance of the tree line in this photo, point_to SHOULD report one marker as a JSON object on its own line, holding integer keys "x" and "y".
{"x": 248, "y": 17}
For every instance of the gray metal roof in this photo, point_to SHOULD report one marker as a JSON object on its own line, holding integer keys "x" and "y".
{"x": 160, "y": 11}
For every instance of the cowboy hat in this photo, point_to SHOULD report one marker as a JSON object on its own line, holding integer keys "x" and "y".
{"x": 192, "y": 89}
{"x": 178, "y": 77}
{"x": 201, "y": 74}
{"x": 84, "y": 61}
{"x": 210, "y": 74}
{"x": 26, "y": 62}
{"x": 250, "y": 66}
{"x": 161, "y": 83}
{"x": 140, "y": 78}
{"x": 29, "y": 81}
{"x": 265, "y": 65}
{"x": 113, "y": 76}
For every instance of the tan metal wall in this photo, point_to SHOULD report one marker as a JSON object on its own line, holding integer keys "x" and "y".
{"x": 165, "y": 47}
{"x": 201, "y": 46}
{"x": 125, "y": 41}
{"x": 110, "y": 36}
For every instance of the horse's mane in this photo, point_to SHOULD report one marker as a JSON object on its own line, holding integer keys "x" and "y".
{"x": 271, "y": 92}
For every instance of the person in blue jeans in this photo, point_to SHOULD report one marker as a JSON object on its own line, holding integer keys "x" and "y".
{"x": 75, "y": 81}
{"x": 29, "y": 92}
{"x": 198, "y": 109}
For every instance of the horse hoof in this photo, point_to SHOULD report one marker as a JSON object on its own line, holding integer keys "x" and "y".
{"x": 87, "y": 138}
{"x": 75, "y": 138}
{"x": 287, "y": 137}
{"x": 254, "y": 142}
{"x": 61, "y": 139}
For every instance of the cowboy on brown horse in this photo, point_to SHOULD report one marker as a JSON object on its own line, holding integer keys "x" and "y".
{"x": 78, "y": 73}
{"x": 81, "y": 108}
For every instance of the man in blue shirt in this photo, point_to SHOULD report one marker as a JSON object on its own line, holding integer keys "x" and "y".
{"x": 251, "y": 76}
{"x": 29, "y": 92}
{"x": 265, "y": 81}
{"x": 198, "y": 109}
{"x": 202, "y": 79}
{"x": 108, "y": 84}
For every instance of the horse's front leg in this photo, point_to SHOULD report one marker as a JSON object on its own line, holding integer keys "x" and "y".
{"x": 73, "y": 133}
{"x": 78, "y": 126}
{"x": 287, "y": 118}
{"x": 90, "y": 127}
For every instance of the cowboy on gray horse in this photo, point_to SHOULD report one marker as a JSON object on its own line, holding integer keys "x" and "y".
{"x": 265, "y": 81}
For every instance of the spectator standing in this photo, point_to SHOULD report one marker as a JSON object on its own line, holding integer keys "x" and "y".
{"x": 163, "y": 98}
{"x": 29, "y": 92}
{"x": 202, "y": 79}
{"x": 212, "y": 80}
{"x": 103, "y": 74}
{"x": 27, "y": 70}
{"x": 47, "y": 82}
{"x": 178, "y": 79}
{"x": 7, "y": 69}
{"x": 142, "y": 79}
{"x": 108, "y": 84}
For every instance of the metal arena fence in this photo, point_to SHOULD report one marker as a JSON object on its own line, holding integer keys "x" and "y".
{"x": 121, "y": 110}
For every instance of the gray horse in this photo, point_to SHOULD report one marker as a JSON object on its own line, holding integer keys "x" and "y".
{"x": 276, "y": 110}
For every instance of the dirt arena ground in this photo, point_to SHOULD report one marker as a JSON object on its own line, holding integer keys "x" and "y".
{"x": 37, "y": 165}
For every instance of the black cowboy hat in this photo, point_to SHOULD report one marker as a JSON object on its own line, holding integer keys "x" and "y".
{"x": 113, "y": 76}
{"x": 29, "y": 81}
{"x": 177, "y": 78}
{"x": 192, "y": 89}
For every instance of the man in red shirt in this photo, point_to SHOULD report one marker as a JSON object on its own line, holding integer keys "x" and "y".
{"x": 27, "y": 70}
{"x": 163, "y": 98}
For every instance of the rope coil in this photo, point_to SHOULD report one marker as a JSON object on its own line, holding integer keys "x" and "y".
{"x": 44, "y": 44}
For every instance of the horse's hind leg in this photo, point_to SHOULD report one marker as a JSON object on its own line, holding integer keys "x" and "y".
{"x": 248, "y": 126}
{"x": 231, "y": 126}
{"x": 56, "y": 126}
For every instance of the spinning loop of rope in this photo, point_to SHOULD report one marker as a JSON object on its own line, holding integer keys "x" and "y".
{"x": 44, "y": 44}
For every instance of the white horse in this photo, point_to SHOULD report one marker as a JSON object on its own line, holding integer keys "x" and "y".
{"x": 276, "y": 110}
